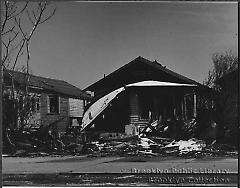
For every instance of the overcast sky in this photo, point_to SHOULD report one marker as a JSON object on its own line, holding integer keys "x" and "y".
{"x": 85, "y": 40}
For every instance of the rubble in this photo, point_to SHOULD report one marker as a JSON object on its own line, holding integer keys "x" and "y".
{"x": 40, "y": 142}
{"x": 156, "y": 146}
{"x": 43, "y": 142}
{"x": 126, "y": 147}
{"x": 184, "y": 147}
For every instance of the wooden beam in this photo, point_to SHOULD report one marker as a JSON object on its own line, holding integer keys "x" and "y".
{"x": 194, "y": 105}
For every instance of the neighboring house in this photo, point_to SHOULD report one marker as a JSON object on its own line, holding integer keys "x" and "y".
{"x": 228, "y": 102}
{"x": 171, "y": 95}
{"x": 54, "y": 100}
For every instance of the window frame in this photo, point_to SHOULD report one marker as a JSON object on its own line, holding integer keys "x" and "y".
{"x": 38, "y": 104}
{"x": 57, "y": 111}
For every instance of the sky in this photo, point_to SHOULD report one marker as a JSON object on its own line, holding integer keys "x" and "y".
{"x": 85, "y": 40}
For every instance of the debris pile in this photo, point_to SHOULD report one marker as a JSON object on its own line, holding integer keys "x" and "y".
{"x": 43, "y": 142}
{"x": 184, "y": 147}
{"x": 155, "y": 146}
{"x": 219, "y": 150}
{"x": 189, "y": 128}
{"x": 40, "y": 142}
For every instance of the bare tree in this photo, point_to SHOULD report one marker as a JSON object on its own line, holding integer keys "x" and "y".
{"x": 16, "y": 41}
{"x": 223, "y": 63}
{"x": 19, "y": 22}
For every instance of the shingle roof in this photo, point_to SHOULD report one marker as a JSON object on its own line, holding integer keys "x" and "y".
{"x": 153, "y": 64}
{"x": 48, "y": 84}
{"x": 164, "y": 69}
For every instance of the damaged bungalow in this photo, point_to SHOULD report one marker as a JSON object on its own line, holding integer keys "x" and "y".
{"x": 142, "y": 96}
{"x": 55, "y": 102}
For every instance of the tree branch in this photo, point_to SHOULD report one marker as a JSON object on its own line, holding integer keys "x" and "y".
{"x": 20, "y": 12}
{"x": 29, "y": 17}
{"x": 7, "y": 51}
{"x": 8, "y": 31}
{"x": 38, "y": 19}
{"x": 4, "y": 44}
{"x": 15, "y": 36}
{"x": 17, "y": 56}
{"x": 34, "y": 15}
{"x": 20, "y": 27}
{"x": 51, "y": 15}
{"x": 28, "y": 56}
{"x": 6, "y": 16}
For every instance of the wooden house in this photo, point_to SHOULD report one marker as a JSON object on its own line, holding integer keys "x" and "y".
{"x": 54, "y": 100}
{"x": 174, "y": 96}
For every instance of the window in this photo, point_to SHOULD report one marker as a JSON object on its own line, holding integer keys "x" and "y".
{"x": 35, "y": 103}
{"x": 53, "y": 104}
{"x": 38, "y": 104}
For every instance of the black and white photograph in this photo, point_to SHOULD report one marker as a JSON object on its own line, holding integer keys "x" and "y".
{"x": 119, "y": 93}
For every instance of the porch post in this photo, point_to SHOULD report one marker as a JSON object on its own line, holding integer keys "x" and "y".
{"x": 182, "y": 105}
{"x": 194, "y": 104}
{"x": 174, "y": 105}
{"x": 185, "y": 107}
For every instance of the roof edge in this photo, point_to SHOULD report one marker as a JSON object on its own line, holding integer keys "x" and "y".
{"x": 148, "y": 62}
{"x": 82, "y": 94}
